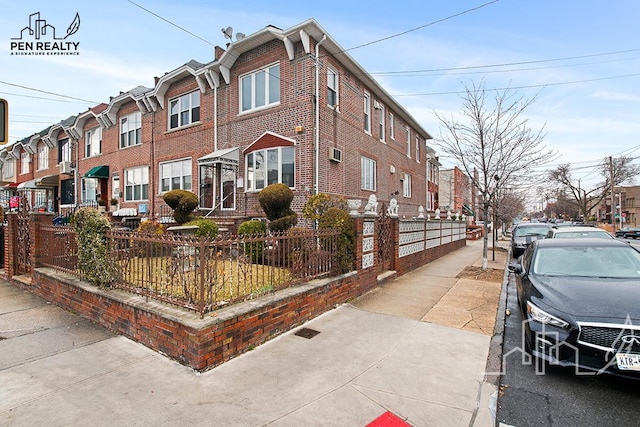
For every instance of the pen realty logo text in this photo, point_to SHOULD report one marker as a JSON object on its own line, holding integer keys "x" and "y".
{"x": 41, "y": 38}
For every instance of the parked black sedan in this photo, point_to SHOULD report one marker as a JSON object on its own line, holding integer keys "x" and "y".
{"x": 627, "y": 232}
{"x": 579, "y": 301}
{"x": 526, "y": 232}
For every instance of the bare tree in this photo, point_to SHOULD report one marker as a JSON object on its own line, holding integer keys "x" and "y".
{"x": 495, "y": 140}
{"x": 619, "y": 169}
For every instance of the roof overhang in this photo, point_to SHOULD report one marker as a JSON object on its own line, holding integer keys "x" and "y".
{"x": 226, "y": 155}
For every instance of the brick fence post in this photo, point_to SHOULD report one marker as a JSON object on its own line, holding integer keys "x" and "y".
{"x": 9, "y": 241}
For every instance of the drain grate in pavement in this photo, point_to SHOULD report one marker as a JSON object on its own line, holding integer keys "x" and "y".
{"x": 307, "y": 333}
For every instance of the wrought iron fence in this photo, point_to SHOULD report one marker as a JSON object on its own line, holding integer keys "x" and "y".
{"x": 203, "y": 274}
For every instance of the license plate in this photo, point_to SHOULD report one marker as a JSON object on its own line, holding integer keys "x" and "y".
{"x": 628, "y": 362}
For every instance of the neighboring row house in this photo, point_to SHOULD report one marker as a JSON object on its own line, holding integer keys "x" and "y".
{"x": 278, "y": 106}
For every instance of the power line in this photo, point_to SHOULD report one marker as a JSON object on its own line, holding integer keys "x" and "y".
{"x": 509, "y": 64}
{"x": 43, "y": 98}
{"x": 524, "y": 87}
{"x": 171, "y": 23}
{"x": 47, "y": 92}
{"x": 421, "y": 26}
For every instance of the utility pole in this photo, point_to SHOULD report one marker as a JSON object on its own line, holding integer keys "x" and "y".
{"x": 613, "y": 200}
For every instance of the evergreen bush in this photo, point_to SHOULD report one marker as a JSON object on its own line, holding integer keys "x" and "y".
{"x": 336, "y": 218}
{"x": 91, "y": 228}
{"x": 275, "y": 201}
{"x": 206, "y": 227}
{"x": 183, "y": 203}
{"x": 250, "y": 229}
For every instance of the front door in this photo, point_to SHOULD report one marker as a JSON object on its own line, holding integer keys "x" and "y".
{"x": 228, "y": 187}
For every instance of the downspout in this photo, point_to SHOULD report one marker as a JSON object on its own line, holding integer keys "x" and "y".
{"x": 316, "y": 141}
{"x": 215, "y": 118}
{"x": 152, "y": 177}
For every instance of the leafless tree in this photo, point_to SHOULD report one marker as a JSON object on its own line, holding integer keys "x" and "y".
{"x": 493, "y": 137}
{"x": 619, "y": 169}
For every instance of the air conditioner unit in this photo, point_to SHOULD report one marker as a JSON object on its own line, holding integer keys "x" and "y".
{"x": 65, "y": 167}
{"x": 377, "y": 105}
{"x": 335, "y": 154}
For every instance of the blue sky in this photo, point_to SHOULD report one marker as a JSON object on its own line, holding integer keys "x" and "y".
{"x": 589, "y": 105}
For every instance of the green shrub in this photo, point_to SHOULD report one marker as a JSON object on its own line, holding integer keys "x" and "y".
{"x": 336, "y": 218}
{"x": 206, "y": 227}
{"x": 91, "y": 228}
{"x": 275, "y": 201}
{"x": 253, "y": 228}
{"x": 318, "y": 204}
{"x": 183, "y": 203}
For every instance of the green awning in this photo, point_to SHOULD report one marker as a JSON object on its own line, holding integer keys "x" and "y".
{"x": 466, "y": 209}
{"x": 98, "y": 172}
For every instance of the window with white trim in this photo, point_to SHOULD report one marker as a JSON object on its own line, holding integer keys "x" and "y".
{"x": 25, "y": 160}
{"x": 184, "y": 110}
{"x": 136, "y": 184}
{"x": 270, "y": 166}
{"x": 367, "y": 112}
{"x": 175, "y": 175}
{"x": 43, "y": 157}
{"x": 367, "y": 174}
{"x": 392, "y": 126}
{"x": 332, "y": 88}
{"x": 406, "y": 186}
{"x": 130, "y": 129}
{"x": 381, "y": 123}
{"x": 93, "y": 142}
{"x": 64, "y": 150}
{"x": 408, "y": 142}
{"x": 260, "y": 88}
{"x": 417, "y": 149}
{"x": 9, "y": 168}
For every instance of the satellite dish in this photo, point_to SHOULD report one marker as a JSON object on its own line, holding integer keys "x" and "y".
{"x": 239, "y": 36}
{"x": 228, "y": 32}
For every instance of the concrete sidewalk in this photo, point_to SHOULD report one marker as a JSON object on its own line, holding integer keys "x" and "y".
{"x": 381, "y": 353}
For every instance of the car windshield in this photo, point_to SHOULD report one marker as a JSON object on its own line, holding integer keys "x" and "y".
{"x": 530, "y": 231}
{"x": 619, "y": 262}
{"x": 588, "y": 234}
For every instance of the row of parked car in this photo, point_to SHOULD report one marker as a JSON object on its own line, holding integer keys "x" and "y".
{"x": 578, "y": 289}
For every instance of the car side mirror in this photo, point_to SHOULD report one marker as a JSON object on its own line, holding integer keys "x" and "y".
{"x": 515, "y": 267}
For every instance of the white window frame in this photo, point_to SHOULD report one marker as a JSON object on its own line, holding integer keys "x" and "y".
{"x": 250, "y": 167}
{"x": 392, "y": 126}
{"x": 25, "y": 160}
{"x": 367, "y": 112}
{"x": 9, "y": 169}
{"x": 133, "y": 178}
{"x": 382, "y": 124}
{"x": 333, "y": 84}
{"x": 406, "y": 186}
{"x": 130, "y": 130}
{"x": 260, "y": 99}
{"x": 64, "y": 149}
{"x": 43, "y": 157}
{"x": 408, "y": 142}
{"x": 417, "y": 148}
{"x": 186, "y": 108}
{"x": 182, "y": 169}
{"x": 93, "y": 142}
{"x": 368, "y": 170}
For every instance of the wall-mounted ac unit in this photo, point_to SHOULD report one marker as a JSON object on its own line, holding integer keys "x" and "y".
{"x": 335, "y": 154}
{"x": 377, "y": 105}
{"x": 65, "y": 167}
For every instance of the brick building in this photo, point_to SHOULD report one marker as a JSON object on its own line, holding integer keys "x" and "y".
{"x": 278, "y": 106}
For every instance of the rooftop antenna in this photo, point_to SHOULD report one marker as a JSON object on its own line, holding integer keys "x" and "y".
{"x": 228, "y": 32}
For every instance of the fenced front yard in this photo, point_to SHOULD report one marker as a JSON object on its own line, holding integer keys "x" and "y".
{"x": 198, "y": 273}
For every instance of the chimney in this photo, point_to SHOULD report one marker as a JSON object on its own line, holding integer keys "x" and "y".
{"x": 218, "y": 52}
